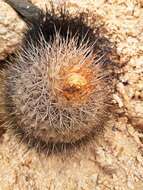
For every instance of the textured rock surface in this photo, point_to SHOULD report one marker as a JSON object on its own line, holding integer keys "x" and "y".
{"x": 115, "y": 159}
{"x": 11, "y": 29}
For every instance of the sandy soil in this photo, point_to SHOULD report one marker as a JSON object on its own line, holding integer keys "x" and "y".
{"x": 114, "y": 160}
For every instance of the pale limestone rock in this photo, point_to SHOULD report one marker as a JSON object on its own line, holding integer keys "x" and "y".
{"x": 115, "y": 159}
{"x": 11, "y": 30}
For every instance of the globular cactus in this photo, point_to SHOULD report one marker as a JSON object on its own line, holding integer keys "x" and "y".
{"x": 58, "y": 87}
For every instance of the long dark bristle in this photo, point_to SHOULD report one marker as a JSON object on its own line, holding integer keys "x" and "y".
{"x": 68, "y": 27}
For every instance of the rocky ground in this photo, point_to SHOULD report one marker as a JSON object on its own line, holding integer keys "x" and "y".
{"x": 114, "y": 160}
